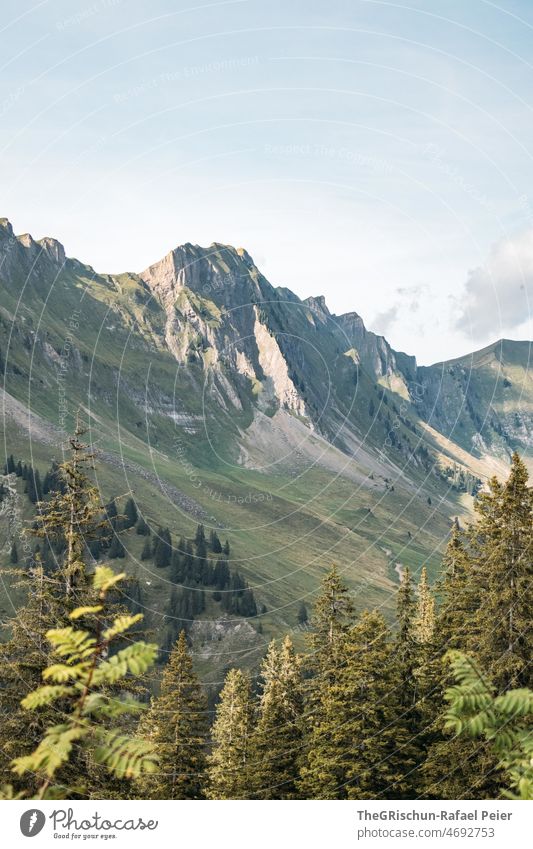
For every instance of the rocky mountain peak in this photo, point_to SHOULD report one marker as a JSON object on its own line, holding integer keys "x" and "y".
{"x": 318, "y": 305}
{"x": 5, "y": 226}
{"x": 53, "y": 249}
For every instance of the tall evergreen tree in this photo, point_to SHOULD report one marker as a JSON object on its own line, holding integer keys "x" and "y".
{"x": 303, "y": 616}
{"x": 331, "y": 621}
{"x": 502, "y": 542}
{"x": 72, "y": 516}
{"x": 130, "y": 513}
{"x": 142, "y": 528}
{"x": 229, "y": 761}
{"x": 146, "y": 552}
{"x": 278, "y": 733}
{"x": 455, "y": 767}
{"x": 357, "y": 744}
{"x": 375, "y": 737}
{"x": 177, "y": 726}
{"x": 163, "y": 552}
{"x": 116, "y": 549}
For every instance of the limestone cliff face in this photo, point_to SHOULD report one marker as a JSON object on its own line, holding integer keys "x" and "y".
{"x": 275, "y": 369}
{"x": 375, "y": 354}
{"x": 211, "y": 297}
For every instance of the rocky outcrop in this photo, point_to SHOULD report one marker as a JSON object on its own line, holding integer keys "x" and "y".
{"x": 24, "y": 261}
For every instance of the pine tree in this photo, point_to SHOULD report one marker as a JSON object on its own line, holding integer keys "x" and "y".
{"x": 406, "y": 644}
{"x": 221, "y": 575}
{"x": 116, "y": 549}
{"x": 142, "y": 527}
{"x": 72, "y": 516}
{"x": 330, "y": 625}
{"x": 130, "y": 513}
{"x": 214, "y": 543}
{"x": 303, "y": 616}
{"x": 111, "y": 510}
{"x": 229, "y": 761}
{"x": 163, "y": 551}
{"x": 278, "y": 733}
{"x": 331, "y": 620}
{"x": 375, "y": 739}
{"x": 357, "y": 745}
{"x": 425, "y": 612}
{"x": 503, "y": 547}
{"x": 146, "y": 552}
{"x": 200, "y": 535}
{"x": 454, "y": 767}
{"x": 176, "y": 725}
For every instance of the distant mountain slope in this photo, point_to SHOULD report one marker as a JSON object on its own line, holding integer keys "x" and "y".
{"x": 484, "y": 400}
{"x": 215, "y": 396}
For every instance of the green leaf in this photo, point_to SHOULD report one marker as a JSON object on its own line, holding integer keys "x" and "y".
{"x": 121, "y": 624}
{"x": 60, "y": 672}
{"x": 52, "y": 751}
{"x": 134, "y": 659}
{"x": 45, "y": 696}
{"x": 126, "y": 757}
{"x": 83, "y": 611}
{"x": 104, "y": 578}
{"x": 72, "y": 644}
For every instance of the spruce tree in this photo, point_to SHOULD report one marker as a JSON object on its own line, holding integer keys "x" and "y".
{"x": 502, "y": 541}
{"x": 455, "y": 767}
{"x": 357, "y": 747}
{"x": 163, "y": 551}
{"x": 116, "y": 549}
{"x": 71, "y": 518}
{"x": 229, "y": 761}
{"x": 303, "y": 616}
{"x": 320, "y": 776}
{"x": 176, "y": 725}
{"x": 142, "y": 527}
{"x": 278, "y": 733}
{"x": 331, "y": 620}
{"x": 200, "y": 535}
{"x": 130, "y": 513}
{"x": 146, "y": 552}
{"x": 14, "y": 555}
{"x": 376, "y": 739}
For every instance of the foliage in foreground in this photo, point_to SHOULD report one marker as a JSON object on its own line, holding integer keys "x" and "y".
{"x": 76, "y": 683}
{"x": 504, "y": 720}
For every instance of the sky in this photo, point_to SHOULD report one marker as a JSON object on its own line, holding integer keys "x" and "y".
{"x": 378, "y": 153}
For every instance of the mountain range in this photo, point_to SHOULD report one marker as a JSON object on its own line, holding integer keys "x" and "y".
{"x": 213, "y": 396}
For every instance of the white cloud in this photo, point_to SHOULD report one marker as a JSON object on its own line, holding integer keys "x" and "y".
{"x": 499, "y": 294}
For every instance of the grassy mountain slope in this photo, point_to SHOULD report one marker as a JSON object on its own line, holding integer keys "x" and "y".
{"x": 212, "y": 396}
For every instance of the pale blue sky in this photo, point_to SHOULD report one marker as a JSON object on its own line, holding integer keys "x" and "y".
{"x": 379, "y": 153}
